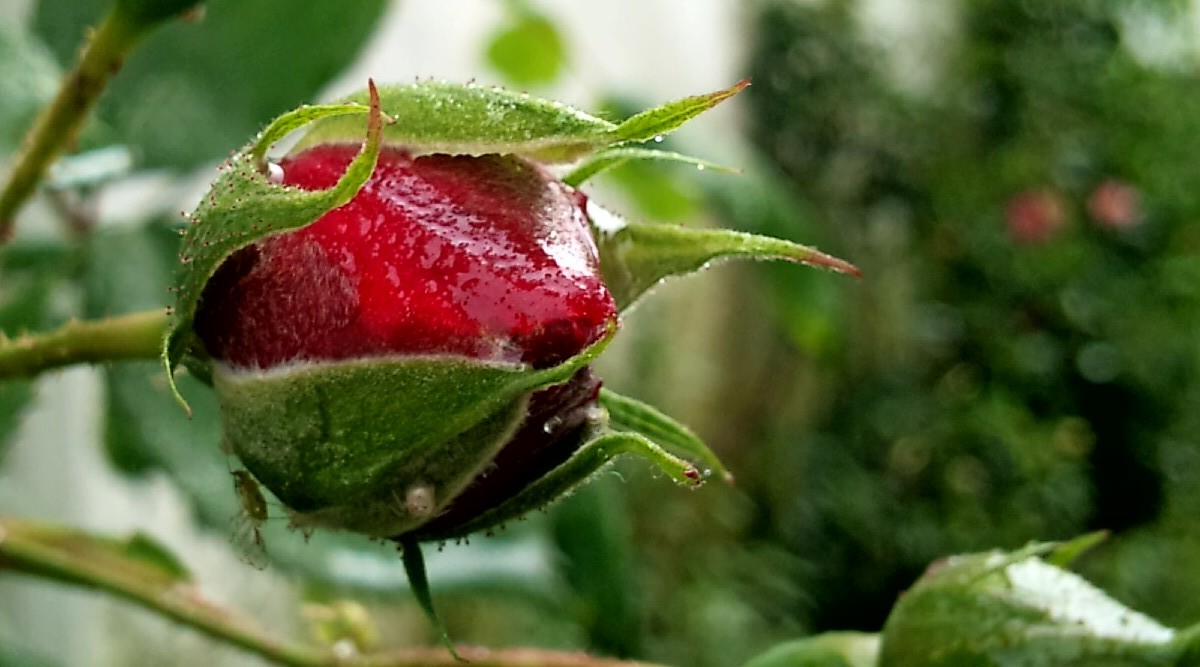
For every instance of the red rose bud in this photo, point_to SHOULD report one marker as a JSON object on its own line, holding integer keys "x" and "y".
{"x": 400, "y": 333}
{"x": 487, "y": 258}
{"x": 1035, "y": 217}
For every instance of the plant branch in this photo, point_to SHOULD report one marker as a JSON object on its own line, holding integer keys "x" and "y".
{"x": 133, "y": 336}
{"x": 58, "y": 125}
{"x": 140, "y": 571}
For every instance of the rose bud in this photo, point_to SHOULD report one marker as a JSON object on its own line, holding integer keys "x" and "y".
{"x": 400, "y": 330}
{"x": 1021, "y": 608}
{"x": 1115, "y": 204}
{"x": 1035, "y": 216}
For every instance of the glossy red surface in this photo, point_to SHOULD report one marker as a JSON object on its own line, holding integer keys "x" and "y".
{"x": 486, "y": 257}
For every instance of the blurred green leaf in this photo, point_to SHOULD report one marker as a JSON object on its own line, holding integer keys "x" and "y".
{"x": 28, "y": 78}
{"x": 197, "y": 89}
{"x": 832, "y": 649}
{"x": 28, "y": 276}
{"x": 592, "y": 531}
{"x": 527, "y": 49}
{"x": 12, "y": 655}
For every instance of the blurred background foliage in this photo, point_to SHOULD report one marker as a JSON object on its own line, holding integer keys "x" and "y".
{"x": 1019, "y": 363}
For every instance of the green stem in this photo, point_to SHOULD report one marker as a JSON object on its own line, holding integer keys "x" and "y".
{"x": 126, "y": 572}
{"x": 58, "y": 125}
{"x": 133, "y": 336}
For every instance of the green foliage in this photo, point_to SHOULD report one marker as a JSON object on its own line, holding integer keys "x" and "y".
{"x": 1014, "y": 608}
{"x": 527, "y": 49}
{"x": 221, "y": 75}
{"x": 28, "y": 78}
{"x": 32, "y": 273}
{"x": 1015, "y": 364}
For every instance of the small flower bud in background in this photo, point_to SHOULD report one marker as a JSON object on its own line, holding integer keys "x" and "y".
{"x": 1115, "y": 204}
{"x": 1035, "y": 216}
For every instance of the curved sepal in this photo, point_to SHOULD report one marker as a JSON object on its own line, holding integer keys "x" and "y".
{"x": 636, "y": 256}
{"x": 377, "y": 446}
{"x": 627, "y": 414}
{"x": 593, "y": 456}
{"x": 441, "y": 117}
{"x": 609, "y": 158}
{"x": 418, "y": 581}
{"x": 244, "y": 205}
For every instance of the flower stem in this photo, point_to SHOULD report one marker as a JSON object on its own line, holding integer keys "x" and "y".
{"x": 58, "y": 125}
{"x": 133, "y": 336}
{"x": 141, "y": 572}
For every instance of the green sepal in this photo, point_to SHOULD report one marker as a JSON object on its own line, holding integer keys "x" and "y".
{"x": 628, "y": 414}
{"x": 243, "y": 206}
{"x": 1016, "y": 608}
{"x": 654, "y": 123}
{"x": 599, "y": 450}
{"x": 343, "y": 443}
{"x": 636, "y": 256}
{"x": 609, "y": 158}
{"x": 440, "y": 117}
{"x": 418, "y": 581}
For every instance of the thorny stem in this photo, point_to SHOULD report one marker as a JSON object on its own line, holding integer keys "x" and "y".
{"x": 58, "y": 125}
{"x": 125, "y": 337}
{"x": 106, "y": 565}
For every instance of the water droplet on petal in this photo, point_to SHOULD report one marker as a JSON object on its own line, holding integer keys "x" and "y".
{"x": 274, "y": 173}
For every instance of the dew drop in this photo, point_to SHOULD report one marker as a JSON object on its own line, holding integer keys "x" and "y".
{"x": 552, "y": 423}
{"x": 274, "y": 173}
{"x": 658, "y": 139}
{"x": 699, "y": 167}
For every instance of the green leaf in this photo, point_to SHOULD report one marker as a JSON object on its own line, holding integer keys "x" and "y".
{"x": 614, "y": 157}
{"x": 627, "y": 414}
{"x": 12, "y": 655}
{"x": 194, "y": 89}
{"x": 440, "y": 117}
{"x": 636, "y": 256}
{"x": 831, "y": 649}
{"x": 598, "y": 558}
{"x": 28, "y": 79}
{"x": 527, "y": 49}
{"x": 28, "y": 276}
{"x": 1015, "y": 608}
{"x": 243, "y": 206}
